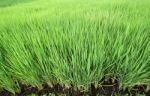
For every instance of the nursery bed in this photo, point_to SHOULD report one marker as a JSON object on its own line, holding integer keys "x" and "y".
{"x": 57, "y": 46}
{"x": 108, "y": 88}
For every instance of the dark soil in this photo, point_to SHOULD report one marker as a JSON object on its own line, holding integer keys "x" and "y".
{"x": 5, "y": 93}
{"x": 109, "y": 87}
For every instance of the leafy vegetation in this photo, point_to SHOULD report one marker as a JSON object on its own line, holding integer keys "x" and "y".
{"x": 74, "y": 42}
{"x": 6, "y": 3}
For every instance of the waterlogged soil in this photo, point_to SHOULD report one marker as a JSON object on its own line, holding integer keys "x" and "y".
{"x": 109, "y": 87}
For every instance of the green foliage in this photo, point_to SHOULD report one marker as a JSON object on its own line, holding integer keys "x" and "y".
{"x": 5, "y": 3}
{"x": 75, "y": 42}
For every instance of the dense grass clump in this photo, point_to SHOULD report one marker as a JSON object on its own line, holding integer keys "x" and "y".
{"x": 74, "y": 42}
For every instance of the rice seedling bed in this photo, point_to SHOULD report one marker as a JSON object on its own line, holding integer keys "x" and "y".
{"x": 74, "y": 47}
{"x": 109, "y": 87}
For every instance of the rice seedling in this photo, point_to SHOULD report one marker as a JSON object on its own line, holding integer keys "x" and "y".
{"x": 74, "y": 45}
